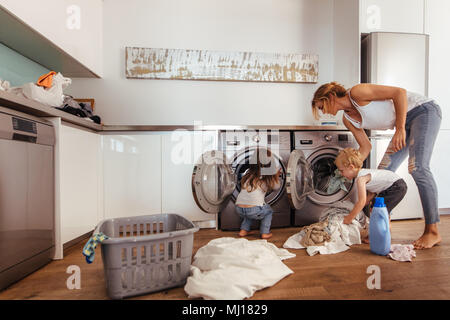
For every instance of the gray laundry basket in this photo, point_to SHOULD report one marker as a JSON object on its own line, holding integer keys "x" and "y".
{"x": 146, "y": 253}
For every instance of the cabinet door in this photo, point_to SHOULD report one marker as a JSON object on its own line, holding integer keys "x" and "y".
{"x": 132, "y": 174}
{"x": 180, "y": 151}
{"x": 440, "y": 168}
{"x": 411, "y": 206}
{"x": 73, "y": 26}
{"x": 79, "y": 179}
{"x": 391, "y": 16}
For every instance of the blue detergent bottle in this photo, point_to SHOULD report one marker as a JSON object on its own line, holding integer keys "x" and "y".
{"x": 379, "y": 233}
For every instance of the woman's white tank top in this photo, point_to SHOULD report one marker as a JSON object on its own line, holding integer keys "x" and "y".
{"x": 380, "y": 114}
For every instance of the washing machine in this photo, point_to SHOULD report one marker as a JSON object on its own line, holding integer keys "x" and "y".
{"x": 217, "y": 175}
{"x": 318, "y": 150}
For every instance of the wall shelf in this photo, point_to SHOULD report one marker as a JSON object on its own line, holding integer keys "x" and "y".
{"x": 18, "y": 36}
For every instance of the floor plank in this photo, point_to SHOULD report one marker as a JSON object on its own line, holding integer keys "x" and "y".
{"x": 337, "y": 276}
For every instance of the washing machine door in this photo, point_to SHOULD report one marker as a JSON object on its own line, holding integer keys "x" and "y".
{"x": 299, "y": 179}
{"x": 323, "y": 169}
{"x": 213, "y": 181}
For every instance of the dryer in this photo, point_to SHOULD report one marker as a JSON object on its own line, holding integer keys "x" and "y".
{"x": 217, "y": 176}
{"x": 320, "y": 149}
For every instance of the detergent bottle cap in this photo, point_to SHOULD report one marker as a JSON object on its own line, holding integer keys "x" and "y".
{"x": 379, "y": 202}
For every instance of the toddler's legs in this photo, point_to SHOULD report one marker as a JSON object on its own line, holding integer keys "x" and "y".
{"x": 266, "y": 222}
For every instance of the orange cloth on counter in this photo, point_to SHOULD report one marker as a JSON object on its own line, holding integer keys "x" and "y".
{"x": 46, "y": 80}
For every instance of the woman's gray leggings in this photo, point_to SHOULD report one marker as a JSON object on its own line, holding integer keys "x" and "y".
{"x": 422, "y": 127}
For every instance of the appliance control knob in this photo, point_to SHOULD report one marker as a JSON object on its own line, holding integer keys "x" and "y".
{"x": 256, "y": 138}
{"x": 328, "y": 137}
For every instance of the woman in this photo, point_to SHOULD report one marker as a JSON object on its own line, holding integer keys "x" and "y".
{"x": 416, "y": 120}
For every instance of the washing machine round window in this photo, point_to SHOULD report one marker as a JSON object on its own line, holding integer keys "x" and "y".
{"x": 299, "y": 179}
{"x": 240, "y": 165}
{"x": 323, "y": 169}
{"x": 213, "y": 181}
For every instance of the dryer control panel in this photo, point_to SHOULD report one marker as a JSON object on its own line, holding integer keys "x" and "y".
{"x": 237, "y": 140}
{"x": 317, "y": 139}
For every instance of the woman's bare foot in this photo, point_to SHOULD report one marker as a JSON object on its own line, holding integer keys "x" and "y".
{"x": 429, "y": 239}
{"x": 243, "y": 233}
{"x": 266, "y": 235}
{"x": 365, "y": 240}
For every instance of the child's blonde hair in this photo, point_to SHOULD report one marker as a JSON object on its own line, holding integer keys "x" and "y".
{"x": 349, "y": 156}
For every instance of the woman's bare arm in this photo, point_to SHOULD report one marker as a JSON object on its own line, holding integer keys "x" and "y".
{"x": 361, "y": 137}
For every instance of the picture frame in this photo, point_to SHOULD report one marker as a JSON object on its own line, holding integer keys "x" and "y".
{"x": 90, "y": 102}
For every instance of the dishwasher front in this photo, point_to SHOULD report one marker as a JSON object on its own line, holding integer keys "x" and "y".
{"x": 27, "y": 223}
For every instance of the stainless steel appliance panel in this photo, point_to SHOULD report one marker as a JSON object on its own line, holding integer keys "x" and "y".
{"x": 26, "y": 197}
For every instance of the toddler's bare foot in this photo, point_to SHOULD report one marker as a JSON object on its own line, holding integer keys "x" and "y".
{"x": 266, "y": 235}
{"x": 243, "y": 233}
{"x": 366, "y": 240}
{"x": 430, "y": 237}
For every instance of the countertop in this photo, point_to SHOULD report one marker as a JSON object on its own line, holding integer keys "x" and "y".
{"x": 34, "y": 108}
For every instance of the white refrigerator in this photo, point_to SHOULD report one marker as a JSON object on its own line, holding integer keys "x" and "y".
{"x": 401, "y": 60}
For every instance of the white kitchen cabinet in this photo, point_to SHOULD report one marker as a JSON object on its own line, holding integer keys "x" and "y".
{"x": 75, "y": 26}
{"x": 79, "y": 179}
{"x": 392, "y": 16}
{"x": 180, "y": 151}
{"x": 132, "y": 174}
{"x": 441, "y": 169}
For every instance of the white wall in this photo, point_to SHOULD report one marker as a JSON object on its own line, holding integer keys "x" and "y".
{"x": 49, "y": 18}
{"x": 286, "y": 26}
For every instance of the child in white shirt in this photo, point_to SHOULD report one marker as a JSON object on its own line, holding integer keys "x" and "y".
{"x": 370, "y": 182}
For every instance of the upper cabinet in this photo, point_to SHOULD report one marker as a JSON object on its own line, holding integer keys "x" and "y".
{"x": 61, "y": 35}
{"x": 392, "y": 16}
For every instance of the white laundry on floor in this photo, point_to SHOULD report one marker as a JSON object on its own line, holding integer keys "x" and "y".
{"x": 342, "y": 235}
{"x": 233, "y": 269}
{"x": 402, "y": 252}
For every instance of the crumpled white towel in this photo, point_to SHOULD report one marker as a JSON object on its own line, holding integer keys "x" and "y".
{"x": 233, "y": 269}
{"x": 342, "y": 235}
{"x": 402, "y": 252}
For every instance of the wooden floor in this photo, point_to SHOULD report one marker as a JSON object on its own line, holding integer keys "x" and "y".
{"x": 337, "y": 276}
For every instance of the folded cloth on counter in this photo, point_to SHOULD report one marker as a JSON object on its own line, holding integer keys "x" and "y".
{"x": 341, "y": 235}
{"x": 402, "y": 252}
{"x": 91, "y": 244}
{"x": 52, "y": 96}
{"x": 46, "y": 80}
{"x": 233, "y": 269}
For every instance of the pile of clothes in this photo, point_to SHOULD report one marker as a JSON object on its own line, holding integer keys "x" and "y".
{"x": 330, "y": 235}
{"x": 48, "y": 90}
{"x": 79, "y": 109}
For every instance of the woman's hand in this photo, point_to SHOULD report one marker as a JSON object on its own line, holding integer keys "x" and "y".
{"x": 399, "y": 139}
